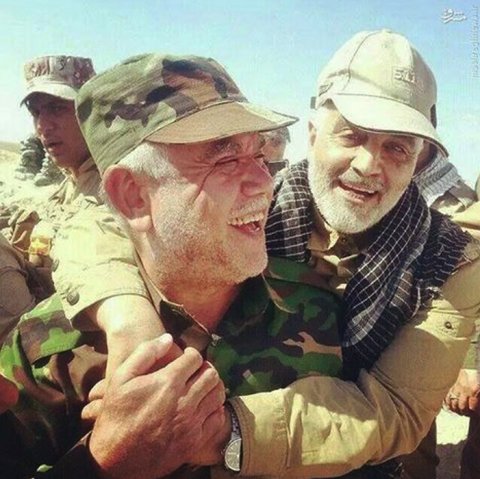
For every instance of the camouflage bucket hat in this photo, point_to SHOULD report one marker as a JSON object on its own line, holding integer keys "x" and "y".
{"x": 165, "y": 99}
{"x": 57, "y": 75}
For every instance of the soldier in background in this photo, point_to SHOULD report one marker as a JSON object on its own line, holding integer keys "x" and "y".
{"x": 52, "y": 83}
{"x": 274, "y": 149}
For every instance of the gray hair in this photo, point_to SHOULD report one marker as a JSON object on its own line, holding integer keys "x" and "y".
{"x": 148, "y": 160}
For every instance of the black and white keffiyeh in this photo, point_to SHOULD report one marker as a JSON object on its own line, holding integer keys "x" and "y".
{"x": 414, "y": 253}
{"x": 437, "y": 178}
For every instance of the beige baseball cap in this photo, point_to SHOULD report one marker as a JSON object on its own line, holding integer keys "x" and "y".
{"x": 57, "y": 75}
{"x": 378, "y": 81}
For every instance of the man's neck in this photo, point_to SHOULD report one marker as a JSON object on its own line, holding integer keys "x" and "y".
{"x": 206, "y": 304}
{"x": 75, "y": 171}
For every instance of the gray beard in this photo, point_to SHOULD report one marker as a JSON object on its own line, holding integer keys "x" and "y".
{"x": 341, "y": 216}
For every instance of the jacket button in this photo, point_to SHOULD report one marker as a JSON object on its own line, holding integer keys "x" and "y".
{"x": 448, "y": 325}
{"x": 73, "y": 298}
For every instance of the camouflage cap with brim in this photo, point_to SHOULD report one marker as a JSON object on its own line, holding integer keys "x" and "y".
{"x": 165, "y": 99}
{"x": 57, "y": 75}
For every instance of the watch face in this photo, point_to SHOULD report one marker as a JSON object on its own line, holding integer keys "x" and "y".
{"x": 232, "y": 455}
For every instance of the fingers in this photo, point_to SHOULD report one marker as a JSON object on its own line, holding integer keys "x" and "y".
{"x": 463, "y": 395}
{"x": 458, "y": 403}
{"x": 184, "y": 367}
{"x": 98, "y": 391}
{"x": 474, "y": 405}
{"x": 91, "y": 411}
{"x": 203, "y": 382}
{"x": 173, "y": 353}
{"x": 142, "y": 360}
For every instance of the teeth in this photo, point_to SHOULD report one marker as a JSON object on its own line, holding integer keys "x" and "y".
{"x": 249, "y": 213}
{"x": 362, "y": 190}
{"x": 243, "y": 220}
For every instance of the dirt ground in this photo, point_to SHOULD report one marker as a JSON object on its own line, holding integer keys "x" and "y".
{"x": 451, "y": 434}
{"x": 452, "y": 429}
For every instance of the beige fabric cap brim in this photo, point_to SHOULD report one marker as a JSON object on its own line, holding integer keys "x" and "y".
{"x": 220, "y": 121}
{"x": 385, "y": 115}
{"x": 59, "y": 90}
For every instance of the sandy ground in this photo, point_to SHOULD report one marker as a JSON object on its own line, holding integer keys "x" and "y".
{"x": 451, "y": 434}
{"x": 452, "y": 429}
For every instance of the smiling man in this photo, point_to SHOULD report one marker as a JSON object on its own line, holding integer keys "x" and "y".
{"x": 180, "y": 154}
{"x": 407, "y": 275}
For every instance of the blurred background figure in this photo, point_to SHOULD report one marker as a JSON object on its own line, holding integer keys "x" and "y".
{"x": 36, "y": 165}
{"x": 274, "y": 149}
{"x": 31, "y": 158}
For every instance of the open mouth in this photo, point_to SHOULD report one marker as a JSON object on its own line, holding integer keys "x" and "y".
{"x": 359, "y": 191}
{"x": 251, "y": 223}
{"x": 50, "y": 145}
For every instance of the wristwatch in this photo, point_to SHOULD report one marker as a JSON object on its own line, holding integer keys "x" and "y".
{"x": 232, "y": 454}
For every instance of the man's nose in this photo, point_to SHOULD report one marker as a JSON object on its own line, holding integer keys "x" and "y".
{"x": 44, "y": 123}
{"x": 367, "y": 160}
{"x": 257, "y": 179}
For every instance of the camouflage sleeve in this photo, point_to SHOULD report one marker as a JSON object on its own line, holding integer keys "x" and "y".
{"x": 54, "y": 368}
{"x": 15, "y": 297}
{"x": 93, "y": 260}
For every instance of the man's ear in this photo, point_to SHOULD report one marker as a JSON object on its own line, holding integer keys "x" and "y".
{"x": 312, "y": 133}
{"x": 128, "y": 193}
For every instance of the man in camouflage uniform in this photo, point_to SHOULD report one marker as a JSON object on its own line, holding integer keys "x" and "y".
{"x": 52, "y": 84}
{"x": 177, "y": 145}
{"x": 401, "y": 319}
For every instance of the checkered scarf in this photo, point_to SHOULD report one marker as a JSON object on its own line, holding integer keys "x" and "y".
{"x": 414, "y": 253}
{"x": 437, "y": 178}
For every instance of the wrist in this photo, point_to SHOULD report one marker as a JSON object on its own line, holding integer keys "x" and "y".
{"x": 232, "y": 452}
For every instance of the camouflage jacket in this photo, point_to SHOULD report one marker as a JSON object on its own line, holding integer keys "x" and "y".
{"x": 281, "y": 327}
